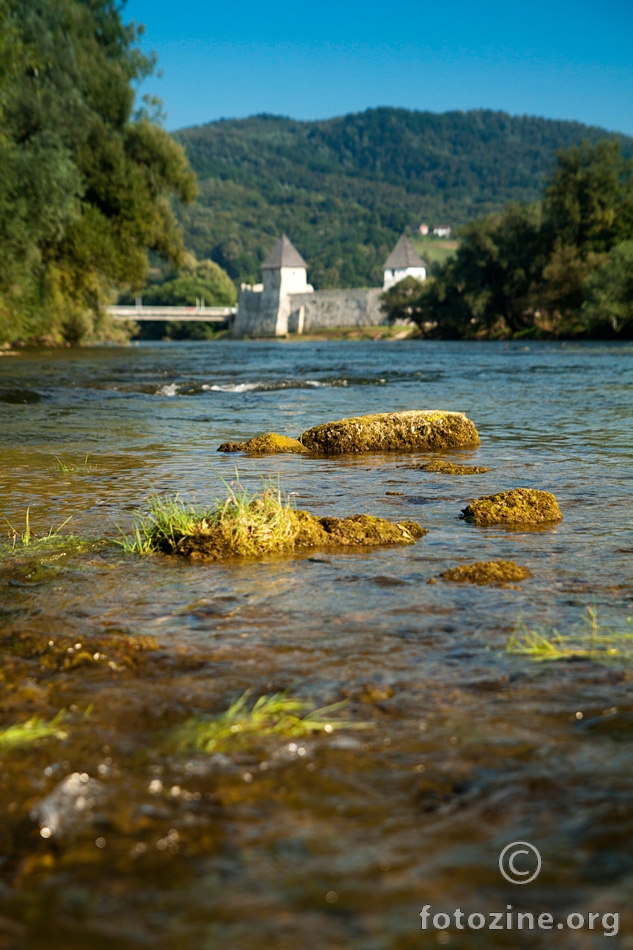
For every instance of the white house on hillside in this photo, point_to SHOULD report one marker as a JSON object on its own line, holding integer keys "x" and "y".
{"x": 403, "y": 262}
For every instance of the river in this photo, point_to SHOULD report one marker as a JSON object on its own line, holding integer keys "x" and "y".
{"x": 334, "y": 840}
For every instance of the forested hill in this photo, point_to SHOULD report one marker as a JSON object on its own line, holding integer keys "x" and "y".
{"x": 344, "y": 189}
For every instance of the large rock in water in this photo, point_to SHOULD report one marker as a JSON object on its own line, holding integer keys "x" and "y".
{"x": 520, "y": 506}
{"x": 414, "y": 430}
{"x": 297, "y": 530}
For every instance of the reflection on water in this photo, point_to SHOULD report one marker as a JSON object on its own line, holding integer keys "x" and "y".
{"x": 470, "y": 748}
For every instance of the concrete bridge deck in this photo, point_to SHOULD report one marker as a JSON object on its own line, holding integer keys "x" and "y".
{"x": 193, "y": 314}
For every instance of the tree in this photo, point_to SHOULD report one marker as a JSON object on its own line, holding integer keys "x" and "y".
{"x": 196, "y": 280}
{"x": 588, "y": 208}
{"x": 588, "y": 202}
{"x": 608, "y": 308}
{"x": 402, "y": 301}
{"x": 87, "y": 181}
{"x": 498, "y": 267}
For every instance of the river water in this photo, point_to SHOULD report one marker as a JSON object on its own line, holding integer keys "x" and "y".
{"x": 336, "y": 840}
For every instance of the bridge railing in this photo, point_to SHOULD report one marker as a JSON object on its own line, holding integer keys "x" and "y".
{"x": 200, "y": 314}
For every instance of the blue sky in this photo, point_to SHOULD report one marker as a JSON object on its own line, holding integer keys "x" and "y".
{"x": 567, "y": 59}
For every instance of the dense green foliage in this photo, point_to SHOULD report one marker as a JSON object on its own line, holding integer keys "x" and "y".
{"x": 609, "y": 303}
{"x": 346, "y": 188}
{"x": 191, "y": 283}
{"x": 561, "y": 266}
{"x": 86, "y": 182}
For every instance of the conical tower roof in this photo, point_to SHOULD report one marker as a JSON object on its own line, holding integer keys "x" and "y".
{"x": 284, "y": 254}
{"x": 404, "y": 255}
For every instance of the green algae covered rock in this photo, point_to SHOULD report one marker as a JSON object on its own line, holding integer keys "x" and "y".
{"x": 450, "y": 468}
{"x": 486, "y": 572}
{"x": 253, "y": 525}
{"x": 414, "y": 430}
{"x": 521, "y": 506}
{"x": 268, "y": 444}
{"x": 299, "y": 531}
{"x": 358, "y": 529}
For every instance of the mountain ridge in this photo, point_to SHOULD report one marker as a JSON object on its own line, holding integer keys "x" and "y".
{"x": 345, "y": 188}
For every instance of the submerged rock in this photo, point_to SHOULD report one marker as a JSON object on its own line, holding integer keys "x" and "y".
{"x": 486, "y": 572}
{"x": 70, "y": 805}
{"x": 268, "y": 444}
{"x": 231, "y": 447}
{"x": 393, "y": 432}
{"x": 450, "y": 468}
{"x": 370, "y": 693}
{"x": 301, "y": 531}
{"x": 521, "y": 506}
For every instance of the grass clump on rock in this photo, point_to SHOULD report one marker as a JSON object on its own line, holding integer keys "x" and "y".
{"x": 268, "y": 444}
{"x": 243, "y": 724}
{"x": 520, "y": 506}
{"x": 486, "y": 572}
{"x": 393, "y": 432}
{"x": 253, "y": 525}
{"x": 451, "y": 468}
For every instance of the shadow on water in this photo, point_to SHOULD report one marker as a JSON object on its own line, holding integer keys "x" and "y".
{"x": 112, "y": 834}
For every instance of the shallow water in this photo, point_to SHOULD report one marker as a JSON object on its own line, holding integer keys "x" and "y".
{"x": 340, "y": 841}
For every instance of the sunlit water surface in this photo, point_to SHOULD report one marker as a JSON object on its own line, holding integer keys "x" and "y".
{"x": 336, "y": 842}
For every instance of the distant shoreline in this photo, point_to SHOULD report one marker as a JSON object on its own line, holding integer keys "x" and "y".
{"x": 395, "y": 334}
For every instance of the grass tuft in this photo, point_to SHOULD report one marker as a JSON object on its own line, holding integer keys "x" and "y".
{"x": 244, "y": 523}
{"x": 167, "y": 521}
{"x": 70, "y": 469}
{"x": 243, "y": 724}
{"x": 591, "y": 641}
{"x": 34, "y": 729}
{"x": 27, "y": 538}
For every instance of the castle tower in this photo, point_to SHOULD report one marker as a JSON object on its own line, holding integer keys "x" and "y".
{"x": 403, "y": 261}
{"x": 264, "y": 311}
{"x": 284, "y": 272}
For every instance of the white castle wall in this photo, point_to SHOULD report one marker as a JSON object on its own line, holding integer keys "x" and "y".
{"x": 286, "y": 303}
{"x": 324, "y": 309}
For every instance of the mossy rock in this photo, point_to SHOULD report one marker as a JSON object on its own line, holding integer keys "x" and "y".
{"x": 451, "y": 468}
{"x": 521, "y": 506}
{"x": 409, "y": 431}
{"x": 232, "y": 447}
{"x": 486, "y": 572}
{"x": 268, "y": 444}
{"x": 358, "y": 529}
{"x": 302, "y": 531}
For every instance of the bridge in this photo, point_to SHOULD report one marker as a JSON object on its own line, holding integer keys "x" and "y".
{"x": 199, "y": 313}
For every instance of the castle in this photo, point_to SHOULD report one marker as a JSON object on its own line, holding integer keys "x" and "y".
{"x": 286, "y": 303}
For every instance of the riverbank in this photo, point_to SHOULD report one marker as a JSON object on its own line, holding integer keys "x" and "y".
{"x": 388, "y": 333}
